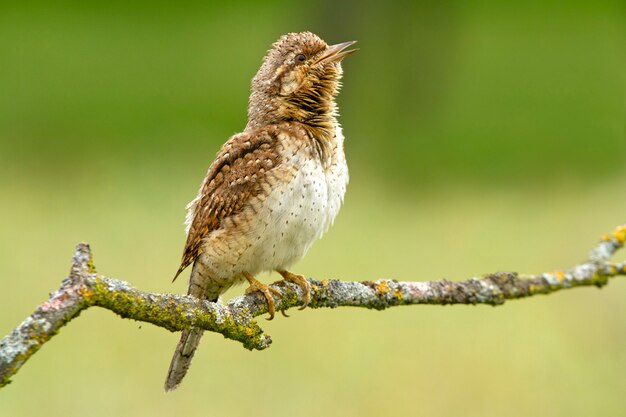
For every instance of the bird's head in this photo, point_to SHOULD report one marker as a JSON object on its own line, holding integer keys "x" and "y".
{"x": 298, "y": 81}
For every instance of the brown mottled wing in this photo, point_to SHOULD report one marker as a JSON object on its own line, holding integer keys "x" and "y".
{"x": 234, "y": 177}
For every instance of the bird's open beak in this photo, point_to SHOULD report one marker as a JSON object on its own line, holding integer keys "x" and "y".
{"x": 336, "y": 53}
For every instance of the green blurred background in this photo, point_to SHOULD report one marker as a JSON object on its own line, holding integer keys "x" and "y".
{"x": 480, "y": 137}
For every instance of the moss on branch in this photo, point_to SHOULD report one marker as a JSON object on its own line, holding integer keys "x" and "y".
{"x": 84, "y": 288}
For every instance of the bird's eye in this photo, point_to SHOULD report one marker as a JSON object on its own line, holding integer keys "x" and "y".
{"x": 300, "y": 58}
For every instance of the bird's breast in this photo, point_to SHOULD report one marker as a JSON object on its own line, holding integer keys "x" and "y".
{"x": 301, "y": 197}
{"x": 300, "y": 208}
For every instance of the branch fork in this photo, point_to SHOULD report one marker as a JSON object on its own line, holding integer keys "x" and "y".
{"x": 85, "y": 288}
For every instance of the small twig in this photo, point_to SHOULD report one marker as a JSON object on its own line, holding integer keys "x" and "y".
{"x": 84, "y": 288}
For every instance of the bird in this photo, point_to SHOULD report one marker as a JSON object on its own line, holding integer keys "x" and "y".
{"x": 274, "y": 188}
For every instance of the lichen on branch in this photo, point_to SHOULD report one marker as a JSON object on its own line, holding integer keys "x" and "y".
{"x": 85, "y": 288}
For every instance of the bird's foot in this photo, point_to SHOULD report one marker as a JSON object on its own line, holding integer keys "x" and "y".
{"x": 266, "y": 290}
{"x": 302, "y": 282}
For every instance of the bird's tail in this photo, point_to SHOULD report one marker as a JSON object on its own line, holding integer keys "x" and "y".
{"x": 189, "y": 339}
{"x": 181, "y": 360}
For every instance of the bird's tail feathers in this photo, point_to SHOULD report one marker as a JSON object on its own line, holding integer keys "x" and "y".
{"x": 189, "y": 339}
{"x": 183, "y": 355}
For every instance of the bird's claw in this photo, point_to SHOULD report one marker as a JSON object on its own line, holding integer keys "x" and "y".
{"x": 302, "y": 282}
{"x": 267, "y": 292}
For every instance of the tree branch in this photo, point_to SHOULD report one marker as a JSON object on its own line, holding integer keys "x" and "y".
{"x": 84, "y": 288}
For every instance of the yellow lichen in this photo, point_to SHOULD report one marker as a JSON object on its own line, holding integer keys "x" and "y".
{"x": 620, "y": 234}
{"x": 398, "y": 294}
{"x": 559, "y": 275}
{"x": 382, "y": 288}
{"x": 85, "y": 292}
{"x": 91, "y": 266}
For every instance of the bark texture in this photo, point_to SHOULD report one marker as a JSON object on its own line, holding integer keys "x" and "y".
{"x": 84, "y": 288}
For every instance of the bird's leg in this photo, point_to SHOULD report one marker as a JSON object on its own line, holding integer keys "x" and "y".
{"x": 302, "y": 282}
{"x": 266, "y": 290}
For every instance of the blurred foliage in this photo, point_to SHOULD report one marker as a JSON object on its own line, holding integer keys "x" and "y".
{"x": 481, "y": 136}
{"x": 438, "y": 91}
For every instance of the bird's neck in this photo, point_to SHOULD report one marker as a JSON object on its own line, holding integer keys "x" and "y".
{"x": 317, "y": 117}
{"x": 319, "y": 121}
